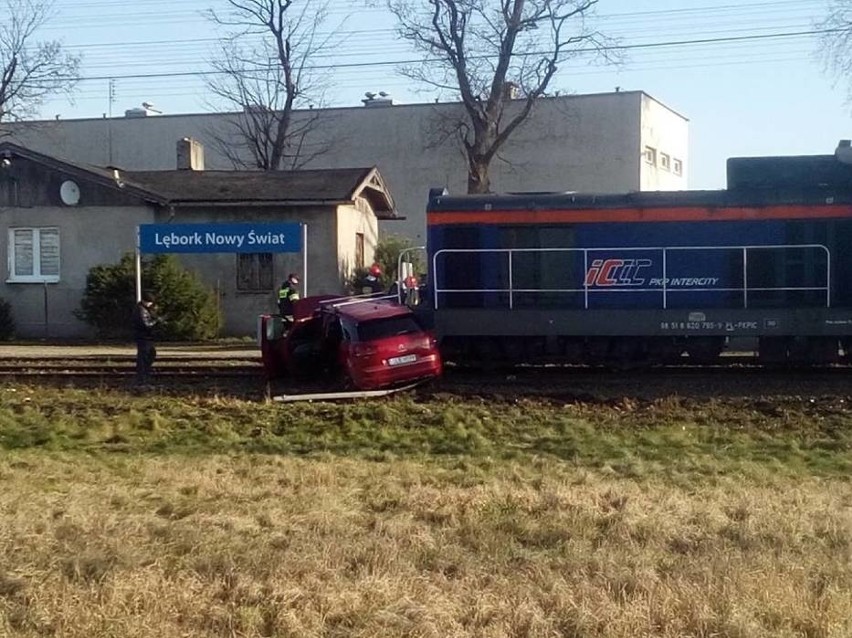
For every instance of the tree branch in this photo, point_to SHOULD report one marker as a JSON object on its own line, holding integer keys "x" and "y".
{"x": 267, "y": 82}
{"x": 31, "y": 71}
{"x": 483, "y": 48}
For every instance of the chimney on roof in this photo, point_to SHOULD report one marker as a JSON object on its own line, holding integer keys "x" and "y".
{"x": 373, "y": 100}
{"x": 843, "y": 152}
{"x": 190, "y": 155}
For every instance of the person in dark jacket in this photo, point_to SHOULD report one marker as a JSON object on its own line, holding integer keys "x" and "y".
{"x": 288, "y": 294}
{"x": 144, "y": 321}
{"x": 372, "y": 282}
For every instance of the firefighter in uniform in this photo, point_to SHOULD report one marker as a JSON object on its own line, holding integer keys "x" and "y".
{"x": 288, "y": 294}
{"x": 372, "y": 283}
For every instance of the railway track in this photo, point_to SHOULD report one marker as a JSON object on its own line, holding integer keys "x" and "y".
{"x": 224, "y": 375}
{"x": 244, "y": 377}
{"x": 94, "y": 365}
{"x": 89, "y": 367}
{"x": 589, "y": 385}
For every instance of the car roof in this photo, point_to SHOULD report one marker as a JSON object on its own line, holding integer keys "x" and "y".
{"x": 359, "y": 311}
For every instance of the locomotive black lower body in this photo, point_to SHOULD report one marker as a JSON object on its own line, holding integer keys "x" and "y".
{"x": 800, "y": 336}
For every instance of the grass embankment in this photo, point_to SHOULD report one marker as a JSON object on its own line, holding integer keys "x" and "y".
{"x": 154, "y": 516}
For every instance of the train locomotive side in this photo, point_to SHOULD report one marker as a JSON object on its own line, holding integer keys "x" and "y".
{"x": 765, "y": 265}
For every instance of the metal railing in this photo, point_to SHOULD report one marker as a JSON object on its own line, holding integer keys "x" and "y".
{"x": 339, "y": 302}
{"x": 664, "y": 289}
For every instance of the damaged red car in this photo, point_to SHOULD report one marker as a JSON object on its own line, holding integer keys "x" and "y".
{"x": 365, "y": 344}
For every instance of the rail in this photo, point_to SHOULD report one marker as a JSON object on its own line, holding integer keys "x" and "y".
{"x": 598, "y": 281}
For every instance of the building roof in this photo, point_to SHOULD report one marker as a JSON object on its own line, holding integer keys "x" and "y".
{"x": 104, "y": 176}
{"x": 340, "y": 185}
{"x": 189, "y": 187}
{"x": 429, "y": 105}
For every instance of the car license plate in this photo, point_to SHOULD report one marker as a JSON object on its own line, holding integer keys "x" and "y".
{"x": 398, "y": 361}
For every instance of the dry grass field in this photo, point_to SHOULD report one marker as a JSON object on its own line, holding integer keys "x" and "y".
{"x": 130, "y": 516}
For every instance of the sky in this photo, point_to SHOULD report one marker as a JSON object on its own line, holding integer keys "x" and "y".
{"x": 746, "y": 84}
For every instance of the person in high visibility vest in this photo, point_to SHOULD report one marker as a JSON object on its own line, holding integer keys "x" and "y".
{"x": 288, "y": 294}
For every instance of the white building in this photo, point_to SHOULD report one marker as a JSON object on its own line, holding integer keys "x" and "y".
{"x": 608, "y": 143}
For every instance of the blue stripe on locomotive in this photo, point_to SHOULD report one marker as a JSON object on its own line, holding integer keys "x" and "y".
{"x": 713, "y": 271}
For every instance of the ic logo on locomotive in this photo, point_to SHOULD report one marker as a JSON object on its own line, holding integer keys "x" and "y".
{"x": 616, "y": 272}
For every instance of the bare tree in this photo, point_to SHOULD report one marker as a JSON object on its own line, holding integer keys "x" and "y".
{"x": 264, "y": 72}
{"x": 30, "y": 71}
{"x": 836, "y": 41}
{"x": 490, "y": 53}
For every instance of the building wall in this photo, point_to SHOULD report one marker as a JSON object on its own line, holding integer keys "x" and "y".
{"x": 88, "y": 236}
{"x": 589, "y": 143}
{"x": 239, "y": 308}
{"x": 669, "y": 138}
{"x": 352, "y": 220}
{"x": 46, "y": 310}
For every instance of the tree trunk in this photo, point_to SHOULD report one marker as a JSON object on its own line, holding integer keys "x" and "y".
{"x": 478, "y": 181}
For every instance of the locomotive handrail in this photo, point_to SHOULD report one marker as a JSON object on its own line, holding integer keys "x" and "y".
{"x": 664, "y": 289}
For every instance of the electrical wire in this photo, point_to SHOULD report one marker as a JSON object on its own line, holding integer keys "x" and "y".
{"x": 704, "y": 36}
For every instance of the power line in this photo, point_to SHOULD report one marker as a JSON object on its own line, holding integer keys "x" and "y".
{"x": 182, "y": 51}
{"x": 391, "y": 84}
{"x": 351, "y": 37}
{"x": 385, "y": 63}
{"x": 105, "y": 20}
{"x": 712, "y": 35}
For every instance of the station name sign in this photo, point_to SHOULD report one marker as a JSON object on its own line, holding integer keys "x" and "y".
{"x": 220, "y": 238}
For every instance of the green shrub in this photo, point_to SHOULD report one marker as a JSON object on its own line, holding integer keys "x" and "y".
{"x": 387, "y": 256}
{"x": 188, "y": 309}
{"x": 7, "y": 321}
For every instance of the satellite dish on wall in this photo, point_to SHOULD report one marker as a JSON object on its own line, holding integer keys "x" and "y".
{"x": 69, "y": 192}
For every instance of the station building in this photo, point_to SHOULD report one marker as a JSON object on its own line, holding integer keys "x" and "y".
{"x": 61, "y": 217}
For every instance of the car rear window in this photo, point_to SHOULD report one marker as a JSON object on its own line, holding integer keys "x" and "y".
{"x": 389, "y": 327}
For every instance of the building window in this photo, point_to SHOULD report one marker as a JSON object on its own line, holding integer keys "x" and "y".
{"x": 33, "y": 255}
{"x": 650, "y": 155}
{"x": 665, "y": 162}
{"x": 678, "y": 167}
{"x": 254, "y": 272}
{"x": 359, "y": 250}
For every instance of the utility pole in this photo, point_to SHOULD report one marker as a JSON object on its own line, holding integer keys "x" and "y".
{"x": 109, "y": 121}
{"x": 111, "y": 94}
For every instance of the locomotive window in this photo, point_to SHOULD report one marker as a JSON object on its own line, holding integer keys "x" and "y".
{"x": 467, "y": 278}
{"x": 539, "y": 277}
{"x": 841, "y": 264}
{"x": 786, "y": 277}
